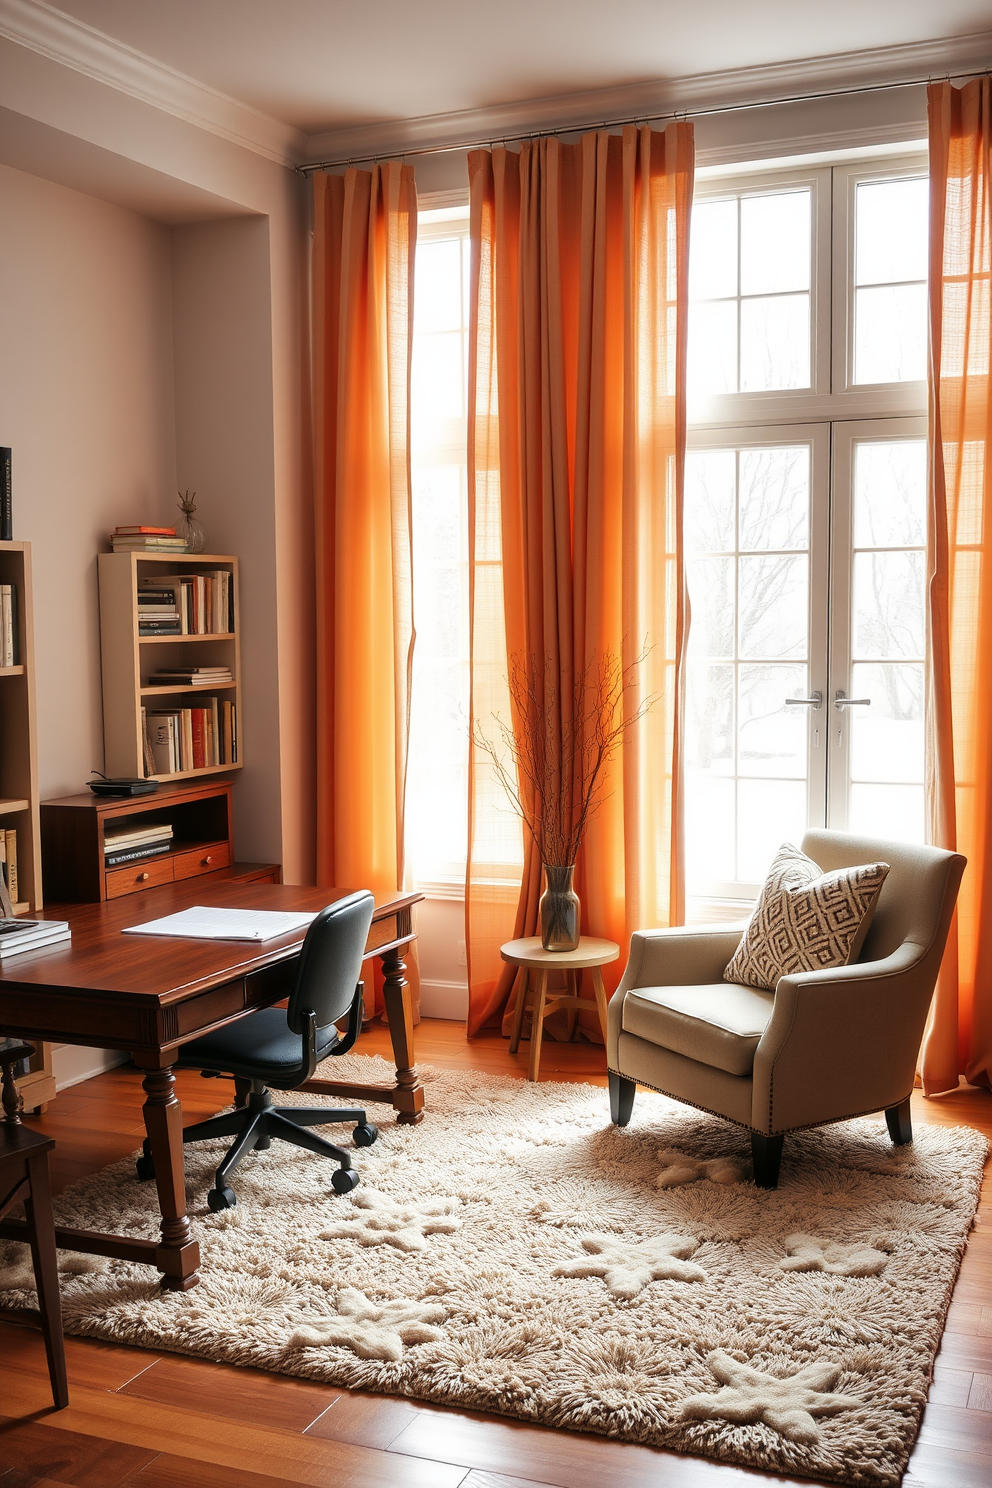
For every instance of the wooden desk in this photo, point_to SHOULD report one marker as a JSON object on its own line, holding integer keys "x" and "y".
{"x": 151, "y": 994}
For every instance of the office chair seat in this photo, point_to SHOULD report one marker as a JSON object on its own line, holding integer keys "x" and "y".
{"x": 259, "y": 1047}
{"x": 282, "y": 1048}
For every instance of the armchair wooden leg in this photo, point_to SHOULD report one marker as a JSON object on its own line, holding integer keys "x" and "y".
{"x": 900, "y": 1123}
{"x": 622, "y": 1092}
{"x": 766, "y": 1154}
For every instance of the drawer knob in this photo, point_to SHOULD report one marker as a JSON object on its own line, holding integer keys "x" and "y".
{"x": 143, "y": 876}
{"x": 205, "y": 861}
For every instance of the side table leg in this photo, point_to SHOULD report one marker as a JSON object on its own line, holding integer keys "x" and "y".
{"x": 178, "y": 1254}
{"x": 537, "y": 1026}
{"x": 408, "y": 1096}
{"x": 601, "y": 1000}
{"x": 41, "y": 1231}
{"x": 522, "y": 980}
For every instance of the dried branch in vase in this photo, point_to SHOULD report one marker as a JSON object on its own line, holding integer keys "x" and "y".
{"x": 551, "y": 764}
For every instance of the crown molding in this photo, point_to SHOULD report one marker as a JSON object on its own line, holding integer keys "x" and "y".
{"x": 43, "y": 29}
{"x": 695, "y": 93}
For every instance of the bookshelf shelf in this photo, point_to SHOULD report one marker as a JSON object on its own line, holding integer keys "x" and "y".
{"x": 129, "y": 659}
{"x": 19, "y": 781}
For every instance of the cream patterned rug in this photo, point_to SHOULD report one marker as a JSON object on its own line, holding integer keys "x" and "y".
{"x": 516, "y": 1253}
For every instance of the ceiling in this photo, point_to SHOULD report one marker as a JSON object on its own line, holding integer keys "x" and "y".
{"x": 323, "y": 64}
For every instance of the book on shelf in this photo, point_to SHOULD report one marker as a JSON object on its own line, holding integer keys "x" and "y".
{"x": 147, "y": 757}
{"x": 144, "y": 532}
{"x": 190, "y": 677}
{"x": 137, "y": 836}
{"x": 186, "y": 739}
{"x": 9, "y": 648}
{"x": 136, "y": 854}
{"x": 204, "y": 601}
{"x": 150, "y": 543}
{"x": 8, "y": 857}
{"x": 6, "y": 497}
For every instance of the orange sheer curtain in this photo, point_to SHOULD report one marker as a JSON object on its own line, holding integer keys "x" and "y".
{"x": 365, "y": 229}
{"x": 576, "y": 455}
{"x": 959, "y": 1038}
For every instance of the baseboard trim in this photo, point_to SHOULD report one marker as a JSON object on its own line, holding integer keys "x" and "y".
{"x": 72, "y": 1064}
{"x": 444, "y": 1000}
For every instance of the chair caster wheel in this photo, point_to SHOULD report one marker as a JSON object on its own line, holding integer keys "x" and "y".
{"x": 344, "y": 1180}
{"x": 365, "y": 1135}
{"x": 145, "y": 1167}
{"x": 221, "y": 1198}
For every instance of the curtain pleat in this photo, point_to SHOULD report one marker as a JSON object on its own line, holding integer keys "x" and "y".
{"x": 576, "y": 455}
{"x": 365, "y": 229}
{"x": 959, "y": 717}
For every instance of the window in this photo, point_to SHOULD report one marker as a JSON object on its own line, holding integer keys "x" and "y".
{"x": 804, "y": 517}
{"x": 438, "y": 773}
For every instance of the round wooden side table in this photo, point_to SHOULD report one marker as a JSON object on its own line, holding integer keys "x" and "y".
{"x": 589, "y": 955}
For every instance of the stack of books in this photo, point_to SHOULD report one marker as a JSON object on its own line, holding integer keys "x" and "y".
{"x": 17, "y": 936}
{"x": 157, "y": 612}
{"x": 203, "y": 601}
{"x": 8, "y": 857}
{"x": 205, "y": 676}
{"x": 177, "y": 740}
{"x": 8, "y": 625}
{"x": 137, "y": 840}
{"x": 147, "y": 540}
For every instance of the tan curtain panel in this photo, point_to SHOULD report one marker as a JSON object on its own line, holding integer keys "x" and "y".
{"x": 576, "y": 455}
{"x": 959, "y": 1038}
{"x": 365, "y": 230}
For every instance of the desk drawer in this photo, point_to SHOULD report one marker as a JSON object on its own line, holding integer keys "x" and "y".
{"x": 203, "y": 860}
{"x": 146, "y": 875}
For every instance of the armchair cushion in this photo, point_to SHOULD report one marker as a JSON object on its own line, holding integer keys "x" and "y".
{"x": 716, "y": 1024}
{"x": 806, "y": 920}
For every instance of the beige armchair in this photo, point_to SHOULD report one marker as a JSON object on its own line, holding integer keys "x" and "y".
{"x": 825, "y": 1046}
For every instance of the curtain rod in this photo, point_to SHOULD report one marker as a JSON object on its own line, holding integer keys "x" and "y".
{"x": 701, "y": 113}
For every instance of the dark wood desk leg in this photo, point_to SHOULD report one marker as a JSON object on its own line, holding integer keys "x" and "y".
{"x": 178, "y": 1256}
{"x": 408, "y": 1096}
{"x": 41, "y": 1230}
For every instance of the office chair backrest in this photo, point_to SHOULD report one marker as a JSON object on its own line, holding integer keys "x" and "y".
{"x": 330, "y": 963}
{"x": 917, "y": 897}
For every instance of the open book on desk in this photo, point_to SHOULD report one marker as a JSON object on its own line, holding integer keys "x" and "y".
{"x": 203, "y": 923}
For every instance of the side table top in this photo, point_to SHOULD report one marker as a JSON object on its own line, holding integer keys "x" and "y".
{"x": 589, "y": 952}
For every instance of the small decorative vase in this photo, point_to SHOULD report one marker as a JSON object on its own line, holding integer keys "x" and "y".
{"x": 559, "y": 909}
{"x": 188, "y": 528}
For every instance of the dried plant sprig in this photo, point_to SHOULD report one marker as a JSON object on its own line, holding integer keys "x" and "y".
{"x": 187, "y": 503}
{"x": 551, "y": 764}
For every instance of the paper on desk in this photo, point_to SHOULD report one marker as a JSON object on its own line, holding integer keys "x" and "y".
{"x": 203, "y": 923}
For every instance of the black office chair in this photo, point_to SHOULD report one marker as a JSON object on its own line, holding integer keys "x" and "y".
{"x": 282, "y": 1048}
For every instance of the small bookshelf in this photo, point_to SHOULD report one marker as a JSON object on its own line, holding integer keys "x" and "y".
{"x": 206, "y": 737}
{"x": 19, "y": 779}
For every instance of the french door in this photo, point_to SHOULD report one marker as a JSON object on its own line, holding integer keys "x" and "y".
{"x": 805, "y": 557}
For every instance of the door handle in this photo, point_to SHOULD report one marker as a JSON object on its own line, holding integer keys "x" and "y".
{"x": 814, "y": 700}
{"x": 841, "y": 701}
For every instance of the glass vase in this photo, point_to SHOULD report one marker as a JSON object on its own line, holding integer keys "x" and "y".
{"x": 192, "y": 533}
{"x": 559, "y": 909}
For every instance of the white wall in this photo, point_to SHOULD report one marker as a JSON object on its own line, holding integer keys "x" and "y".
{"x": 86, "y": 405}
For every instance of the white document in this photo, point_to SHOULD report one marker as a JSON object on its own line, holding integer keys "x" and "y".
{"x": 203, "y": 923}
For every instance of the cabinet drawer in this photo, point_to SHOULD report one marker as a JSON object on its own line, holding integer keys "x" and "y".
{"x": 203, "y": 860}
{"x": 138, "y": 876}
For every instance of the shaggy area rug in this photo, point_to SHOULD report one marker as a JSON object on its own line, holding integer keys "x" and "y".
{"x": 517, "y": 1253}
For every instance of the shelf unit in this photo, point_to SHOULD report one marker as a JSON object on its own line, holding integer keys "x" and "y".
{"x": 19, "y": 780}
{"x": 129, "y": 658}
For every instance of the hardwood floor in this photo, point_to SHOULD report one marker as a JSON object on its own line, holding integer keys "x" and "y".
{"x": 146, "y": 1420}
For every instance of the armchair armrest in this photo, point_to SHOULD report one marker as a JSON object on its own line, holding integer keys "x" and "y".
{"x": 679, "y": 957}
{"x": 842, "y": 1041}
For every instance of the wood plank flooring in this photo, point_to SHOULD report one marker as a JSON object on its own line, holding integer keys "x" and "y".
{"x": 145, "y": 1420}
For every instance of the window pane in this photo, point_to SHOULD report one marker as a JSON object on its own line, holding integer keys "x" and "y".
{"x": 773, "y": 607}
{"x": 713, "y": 348}
{"x": 775, "y": 242}
{"x": 891, "y": 230}
{"x": 889, "y": 614}
{"x": 709, "y": 835}
{"x": 887, "y": 737}
{"x": 890, "y": 491}
{"x": 710, "y": 480}
{"x": 769, "y": 812}
{"x": 772, "y": 737}
{"x": 438, "y": 286}
{"x": 894, "y": 811}
{"x": 711, "y": 596}
{"x": 775, "y": 343}
{"x": 438, "y": 514}
{"x": 710, "y": 719}
{"x": 713, "y": 250}
{"x": 438, "y": 373}
{"x": 890, "y": 333}
{"x": 774, "y": 508}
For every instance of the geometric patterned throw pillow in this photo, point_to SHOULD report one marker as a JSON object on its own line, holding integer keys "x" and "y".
{"x": 805, "y": 920}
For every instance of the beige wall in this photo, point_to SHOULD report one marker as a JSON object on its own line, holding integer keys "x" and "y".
{"x": 86, "y": 404}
